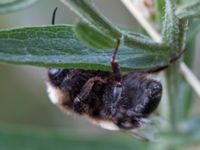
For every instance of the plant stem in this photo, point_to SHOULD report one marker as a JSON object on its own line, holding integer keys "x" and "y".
{"x": 172, "y": 76}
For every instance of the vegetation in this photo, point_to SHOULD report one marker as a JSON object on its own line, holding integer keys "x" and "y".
{"x": 89, "y": 45}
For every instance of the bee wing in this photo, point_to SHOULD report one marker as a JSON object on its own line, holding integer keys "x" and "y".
{"x": 150, "y": 129}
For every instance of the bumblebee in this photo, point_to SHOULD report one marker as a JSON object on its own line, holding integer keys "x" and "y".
{"x": 111, "y": 99}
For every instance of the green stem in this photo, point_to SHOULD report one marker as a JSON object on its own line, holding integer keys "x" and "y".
{"x": 173, "y": 88}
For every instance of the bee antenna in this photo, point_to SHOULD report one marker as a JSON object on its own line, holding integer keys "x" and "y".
{"x": 54, "y": 16}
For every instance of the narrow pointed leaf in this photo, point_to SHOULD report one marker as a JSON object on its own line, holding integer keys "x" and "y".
{"x": 159, "y": 7}
{"x": 96, "y": 39}
{"x": 90, "y": 14}
{"x": 174, "y": 29}
{"x": 57, "y": 46}
{"x": 93, "y": 37}
{"x": 193, "y": 30}
{"x": 188, "y": 10}
{"x": 138, "y": 41}
{"x": 171, "y": 26}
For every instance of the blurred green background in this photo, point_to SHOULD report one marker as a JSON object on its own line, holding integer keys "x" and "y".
{"x": 23, "y": 97}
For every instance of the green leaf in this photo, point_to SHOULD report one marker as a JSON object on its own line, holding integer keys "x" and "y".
{"x": 139, "y": 41}
{"x": 192, "y": 32}
{"x": 96, "y": 39}
{"x": 18, "y": 138}
{"x": 170, "y": 26}
{"x": 93, "y": 37}
{"x": 188, "y": 10}
{"x": 14, "y": 5}
{"x": 183, "y": 25}
{"x": 90, "y": 15}
{"x": 174, "y": 29}
{"x": 159, "y": 7}
{"x": 57, "y": 46}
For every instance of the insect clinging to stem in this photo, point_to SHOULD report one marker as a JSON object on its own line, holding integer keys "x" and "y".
{"x": 109, "y": 98}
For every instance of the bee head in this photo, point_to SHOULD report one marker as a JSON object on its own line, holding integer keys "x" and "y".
{"x": 154, "y": 94}
{"x": 56, "y": 75}
{"x": 141, "y": 94}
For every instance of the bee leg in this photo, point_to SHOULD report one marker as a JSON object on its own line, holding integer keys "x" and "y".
{"x": 87, "y": 87}
{"x": 79, "y": 102}
{"x": 115, "y": 65}
{"x": 127, "y": 120}
{"x": 117, "y": 90}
